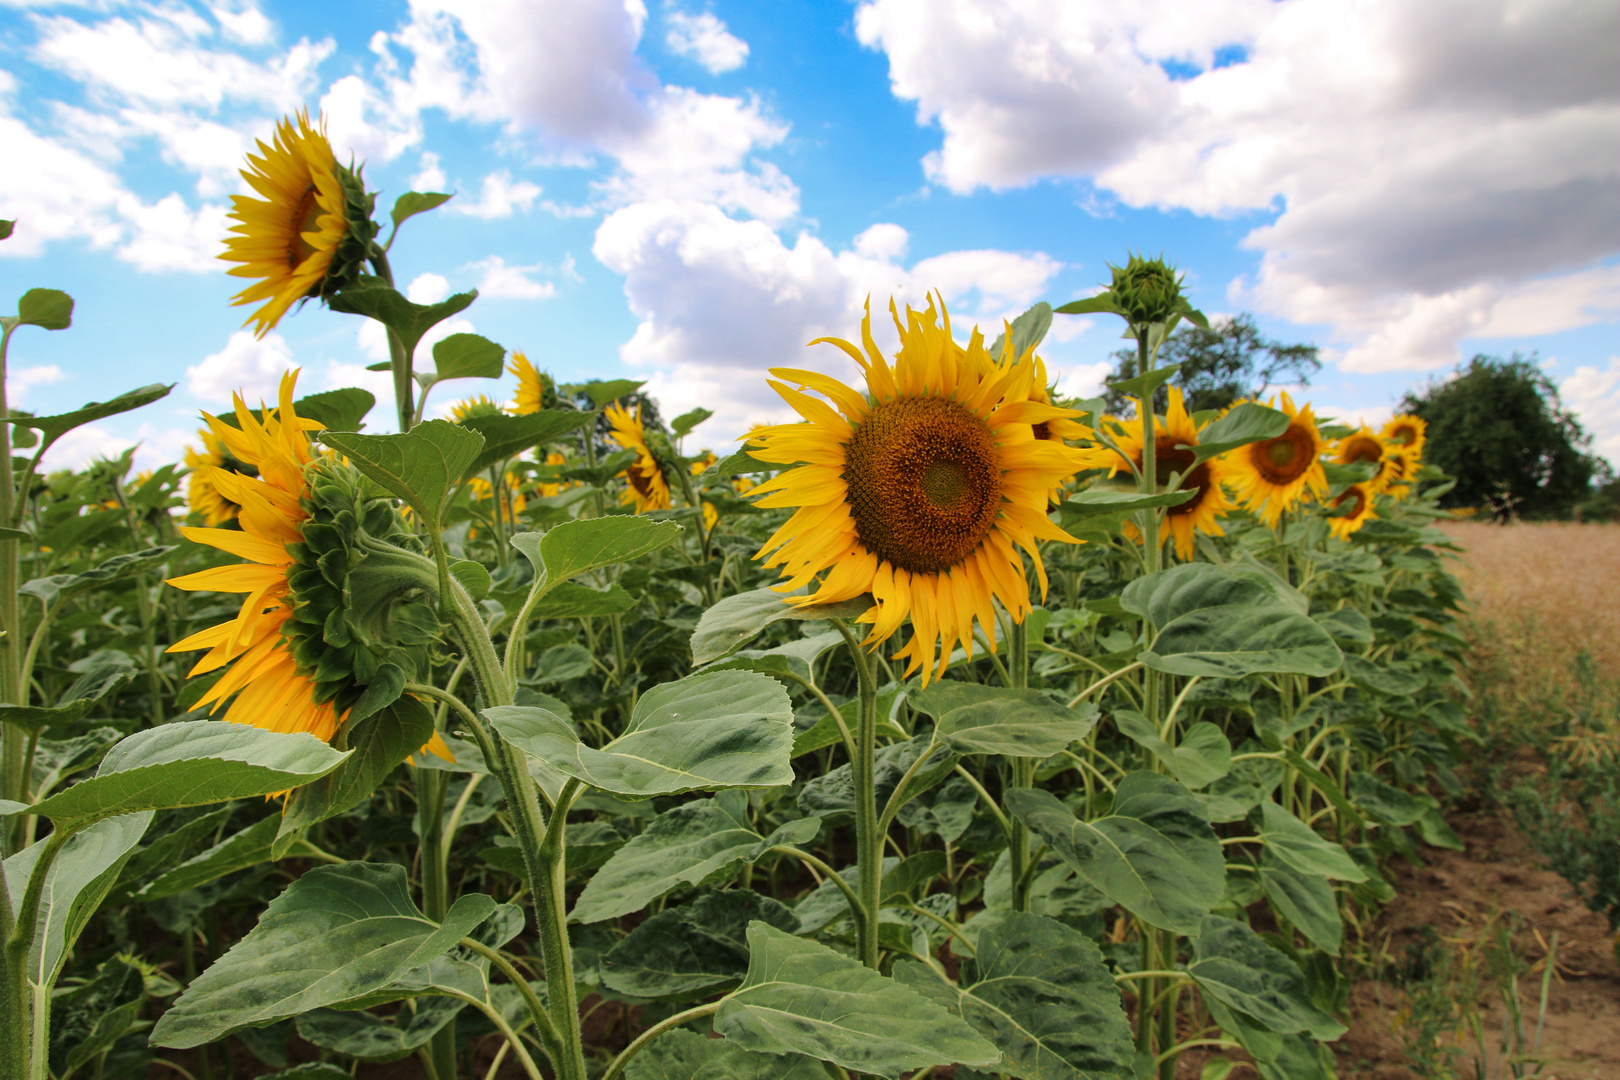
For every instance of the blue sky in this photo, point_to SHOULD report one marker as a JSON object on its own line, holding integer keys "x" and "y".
{"x": 686, "y": 192}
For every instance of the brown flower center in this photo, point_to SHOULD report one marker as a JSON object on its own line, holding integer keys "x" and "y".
{"x": 642, "y": 482}
{"x": 1043, "y": 431}
{"x": 1287, "y": 457}
{"x": 303, "y": 217}
{"x": 924, "y": 483}
{"x": 1357, "y": 499}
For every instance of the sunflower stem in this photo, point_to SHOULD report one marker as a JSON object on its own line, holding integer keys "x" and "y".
{"x": 1023, "y": 771}
{"x": 430, "y": 788}
{"x": 868, "y": 837}
{"x": 14, "y": 740}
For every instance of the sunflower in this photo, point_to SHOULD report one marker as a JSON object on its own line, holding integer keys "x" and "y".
{"x": 646, "y": 488}
{"x": 1271, "y": 475}
{"x": 711, "y": 516}
{"x": 273, "y": 687}
{"x": 514, "y": 497}
{"x": 290, "y": 237}
{"x": 1176, "y": 429}
{"x": 474, "y": 406}
{"x": 1403, "y": 468}
{"x": 1357, "y": 503}
{"x": 1363, "y": 445}
{"x": 918, "y": 490}
{"x": 555, "y": 458}
{"x": 535, "y": 389}
{"x": 1407, "y": 432}
{"x": 202, "y": 492}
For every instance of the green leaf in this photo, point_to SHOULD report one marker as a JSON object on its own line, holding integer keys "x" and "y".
{"x": 1100, "y": 510}
{"x": 1305, "y": 900}
{"x": 692, "y": 950}
{"x": 467, "y": 356}
{"x": 250, "y": 847}
{"x": 1041, "y": 992}
{"x": 801, "y": 997}
{"x": 1102, "y": 303}
{"x": 1346, "y": 626}
{"x": 1144, "y": 386}
{"x": 5, "y": 228}
{"x": 605, "y": 393}
{"x": 1028, "y": 331}
{"x": 978, "y": 719}
{"x": 1232, "y": 963}
{"x": 833, "y": 794}
{"x": 739, "y": 618}
{"x": 706, "y": 841}
{"x": 1298, "y": 845}
{"x": 412, "y": 203}
{"x": 375, "y": 300}
{"x": 1244, "y": 424}
{"x": 1215, "y": 622}
{"x": 419, "y": 467}
{"x": 1154, "y": 853}
{"x": 76, "y": 883}
{"x": 1436, "y": 832}
{"x": 728, "y": 729}
{"x": 1382, "y": 678}
{"x": 336, "y": 934}
{"x": 376, "y": 746}
{"x": 685, "y": 1055}
{"x": 945, "y": 811}
{"x": 684, "y": 423}
{"x": 191, "y": 764}
{"x": 576, "y": 547}
{"x": 573, "y": 601}
{"x": 56, "y": 586}
{"x": 741, "y": 462}
{"x": 52, "y": 428}
{"x": 1202, "y": 757}
{"x": 38, "y": 717}
{"x": 48, "y": 309}
{"x": 508, "y": 436}
{"x": 339, "y": 410}
{"x": 1385, "y": 802}
{"x": 359, "y": 1034}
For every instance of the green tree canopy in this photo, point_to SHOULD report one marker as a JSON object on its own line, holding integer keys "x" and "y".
{"x": 1228, "y": 362}
{"x": 1498, "y": 427}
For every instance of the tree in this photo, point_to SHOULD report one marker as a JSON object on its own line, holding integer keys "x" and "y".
{"x": 1228, "y": 362}
{"x": 1498, "y": 427}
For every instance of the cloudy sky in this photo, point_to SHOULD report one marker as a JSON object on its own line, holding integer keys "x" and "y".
{"x": 687, "y": 192}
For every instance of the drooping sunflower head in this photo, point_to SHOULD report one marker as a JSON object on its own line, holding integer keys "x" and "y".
{"x": 645, "y": 486}
{"x": 535, "y": 390}
{"x": 1350, "y": 510}
{"x": 311, "y": 232}
{"x": 1174, "y": 437}
{"x": 202, "y": 493}
{"x": 917, "y": 491}
{"x": 474, "y": 406}
{"x": 1272, "y": 475}
{"x": 1407, "y": 432}
{"x": 1363, "y": 446}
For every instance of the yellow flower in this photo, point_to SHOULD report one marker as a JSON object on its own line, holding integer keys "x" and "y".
{"x": 1363, "y": 445}
{"x": 534, "y": 386}
{"x": 1357, "y": 500}
{"x": 742, "y": 485}
{"x": 918, "y": 490}
{"x": 1175, "y": 430}
{"x": 1271, "y": 475}
{"x": 554, "y": 458}
{"x": 474, "y": 406}
{"x": 1409, "y": 433}
{"x": 289, "y": 237}
{"x": 704, "y": 461}
{"x": 202, "y": 492}
{"x": 645, "y": 487}
{"x": 1403, "y": 468}
{"x": 513, "y": 493}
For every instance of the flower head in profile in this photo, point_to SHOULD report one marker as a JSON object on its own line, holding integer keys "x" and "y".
{"x": 308, "y": 234}
{"x": 201, "y": 491}
{"x": 479, "y": 405}
{"x": 1350, "y": 510}
{"x": 1174, "y": 436}
{"x": 1272, "y": 475}
{"x": 918, "y": 491}
{"x": 535, "y": 390}
{"x": 1363, "y": 446}
{"x": 645, "y": 486}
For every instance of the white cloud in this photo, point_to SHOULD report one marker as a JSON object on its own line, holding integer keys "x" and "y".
{"x": 429, "y": 176}
{"x": 246, "y": 365}
{"x": 20, "y": 380}
{"x": 499, "y": 197}
{"x": 1084, "y": 380}
{"x": 53, "y": 192}
{"x": 1424, "y": 162}
{"x": 705, "y": 39}
{"x": 1593, "y": 395}
{"x": 372, "y": 339}
{"x": 502, "y": 282}
{"x": 83, "y": 445}
{"x": 169, "y": 235}
{"x": 428, "y": 288}
{"x": 884, "y": 241}
{"x": 366, "y": 123}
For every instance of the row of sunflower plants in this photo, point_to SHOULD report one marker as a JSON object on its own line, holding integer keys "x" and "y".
{"x": 954, "y": 726}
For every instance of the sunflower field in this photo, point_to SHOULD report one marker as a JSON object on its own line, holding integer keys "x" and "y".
{"x": 954, "y": 730}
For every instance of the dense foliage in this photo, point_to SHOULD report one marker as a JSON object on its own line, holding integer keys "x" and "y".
{"x": 1220, "y": 365}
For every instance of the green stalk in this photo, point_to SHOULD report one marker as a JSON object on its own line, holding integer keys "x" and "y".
{"x": 14, "y": 740}
{"x": 430, "y": 787}
{"x": 1023, "y": 773}
{"x": 25, "y": 1012}
{"x": 868, "y": 837}
{"x": 1167, "y": 1008}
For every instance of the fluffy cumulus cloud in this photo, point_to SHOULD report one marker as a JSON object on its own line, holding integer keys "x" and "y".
{"x": 499, "y": 196}
{"x": 247, "y": 365}
{"x": 499, "y": 281}
{"x": 1593, "y": 394}
{"x": 704, "y": 38}
{"x": 21, "y": 380}
{"x": 1429, "y": 166}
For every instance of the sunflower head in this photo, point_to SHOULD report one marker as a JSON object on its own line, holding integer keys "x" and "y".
{"x": 310, "y": 233}
{"x": 645, "y": 486}
{"x": 1174, "y": 436}
{"x": 202, "y": 492}
{"x": 554, "y": 459}
{"x": 1407, "y": 432}
{"x": 1272, "y": 475}
{"x": 1350, "y": 510}
{"x": 536, "y": 390}
{"x": 1363, "y": 446}
{"x": 917, "y": 491}
{"x": 1147, "y": 291}
{"x": 474, "y": 406}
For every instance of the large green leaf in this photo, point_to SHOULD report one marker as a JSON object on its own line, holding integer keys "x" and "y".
{"x": 1028, "y": 330}
{"x": 1041, "y": 992}
{"x": 50, "y": 589}
{"x": 694, "y": 949}
{"x": 411, "y": 203}
{"x": 685, "y": 1055}
{"x": 1202, "y": 756}
{"x": 250, "y": 847}
{"x": 375, "y": 299}
{"x": 697, "y": 842}
{"x": 1213, "y": 622}
{"x": 48, "y": 309}
{"x": 1301, "y": 847}
{"x": 1305, "y": 900}
{"x": 419, "y": 467}
{"x": 76, "y": 882}
{"x": 1232, "y": 963}
{"x": 801, "y": 997}
{"x": 1382, "y": 678}
{"x": 1241, "y": 425}
{"x": 340, "y": 410}
{"x": 508, "y": 436}
{"x": 571, "y": 600}
{"x": 576, "y": 547}
{"x": 358, "y": 1034}
{"x": 833, "y": 794}
{"x": 1385, "y": 802}
{"x": 1154, "y": 853}
{"x": 52, "y": 428}
{"x": 190, "y": 764}
{"x": 467, "y": 356}
{"x": 336, "y": 934}
{"x": 978, "y": 719}
{"x": 739, "y": 618}
{"x": 1101, "y": 510}
{"x": 701, "y": 733}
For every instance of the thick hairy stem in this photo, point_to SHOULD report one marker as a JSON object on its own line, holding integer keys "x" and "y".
{"x": 615, "y": 1069}
{"x": 868, "y": 837}
{"x": 1023, "y": 774}
{"x": 14, "y": 740}
{"x": 430, "y": 785}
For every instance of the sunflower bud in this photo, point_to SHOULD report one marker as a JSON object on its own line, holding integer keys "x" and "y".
{"x": 1147, "y": 291}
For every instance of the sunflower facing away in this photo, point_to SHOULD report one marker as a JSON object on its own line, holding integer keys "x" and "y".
{"x": 645, "y": 487}
{"x": 1175, "y": 430}
{"x": 1271, "y": 475}
{"x": 273, "y": 688}
{"x": 479, "y": 405}
{"x": 202, "y": 493}
{"x": 1408, "y": 433}
{"x": 290, "y": 236}
{"x": 918, "y": 495}
{"x": 535, "y": 390}
{"x": 1362, "y": 445}
{"x": 1357, "y": 503}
